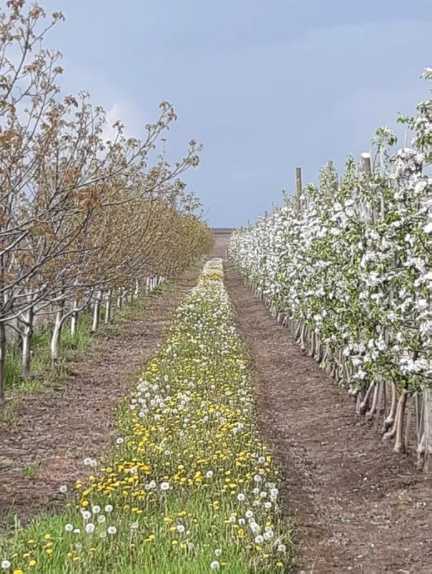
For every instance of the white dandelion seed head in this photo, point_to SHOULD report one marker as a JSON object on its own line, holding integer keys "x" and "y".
{"x": 69, "y": 527}
{"x": 215, "y": 565}
{"x": 90, "y": 528}
{"x": 111, "y": 530}
{"x": 259, "y": 539}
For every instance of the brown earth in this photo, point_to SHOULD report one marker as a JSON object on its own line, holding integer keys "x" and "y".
{"x": 356, "y": 506}
{"x": 54, "y": 431}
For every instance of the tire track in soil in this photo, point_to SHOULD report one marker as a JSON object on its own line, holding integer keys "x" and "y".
{"x": 357, "y": 507}
{"x": 56, "y": 429}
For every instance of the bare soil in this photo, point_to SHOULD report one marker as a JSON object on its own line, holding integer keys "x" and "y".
{"x": 52, "y": 432}
{"x": 356, "y": 506}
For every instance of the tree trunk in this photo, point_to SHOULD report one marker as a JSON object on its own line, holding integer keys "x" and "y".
{"x": 74, "y": 320}
{"x": 108, "y": 307}
{"x": 96, "y": 312}
{"x": 119, "y": 298}
{"x": 56, "y": 337}
{"x": 399, "y": 445}
{"x": 427, "y": 425}
{"x": 74, "y": 323}
{"x": 388, "y": 422}
{"x": 26, "y": 336}
{"x": 2, "y": 362}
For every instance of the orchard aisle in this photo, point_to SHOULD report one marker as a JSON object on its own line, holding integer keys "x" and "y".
{"x": 357, "y": 506}
{"x": 52, "y": 432}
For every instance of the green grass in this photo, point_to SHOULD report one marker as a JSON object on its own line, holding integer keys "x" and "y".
{"x": 190, "y": 426}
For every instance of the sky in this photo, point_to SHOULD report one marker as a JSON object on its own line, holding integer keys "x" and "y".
{"x": 264, "y": 85}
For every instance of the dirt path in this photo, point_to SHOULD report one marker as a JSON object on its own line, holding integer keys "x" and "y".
{"x": 357, "y": 507}
{"x": 54, "y": 431}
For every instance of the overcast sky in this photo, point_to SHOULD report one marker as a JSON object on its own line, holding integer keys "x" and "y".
{"x": 264, "y": 85}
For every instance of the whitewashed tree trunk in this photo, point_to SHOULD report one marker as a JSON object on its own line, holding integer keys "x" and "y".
{"x": 26, "y": 336}
{"x": 74, "y": 320}
{"x": 108, "y": 307}
{"x": 56, "y": 336}
{"x": 96, "y": 311}
{"x": 427, "y": 426}
{"x": 2, "y": 362}
{"x": 119, "y": 298}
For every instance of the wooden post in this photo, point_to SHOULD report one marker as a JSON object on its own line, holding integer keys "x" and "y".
{"x": 366, "y": 164}
{"x": 299, "y": 185}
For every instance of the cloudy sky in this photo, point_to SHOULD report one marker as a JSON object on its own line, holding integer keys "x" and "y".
{"x": 265, "y": 86}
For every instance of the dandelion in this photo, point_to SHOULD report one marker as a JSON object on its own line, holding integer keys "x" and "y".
{"x": 218, "y": 552}
{"x": 69, "y": 527}
{"x": 96, "y": 509}
{"x": 86, "y": 514}
{"x": 76, "y": 531}
{"x": 268, "y": 534}
{"x": 63, "y": 489}
{"x": 134, "y": 525}
{"x": 180, "y": 528}
{"x": 108, "y": 508}
{"x": 90, "y": 528}
{"x": 241, "y": 497}
{"x": 281, "y": 548}
{"x": 274, "y": 493}
{"x": 120, "y": 440}
{"x": 255, "y": 528}
{"x": 164, "y": 486}
{"x": 111, "y": 530}
{"x": 209, "y": 474}
{"x": 5, "y": 564}
{"x": 215, "y": 565}
{"x": 259, "y": 539}
{"x": 101, "y": 519}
